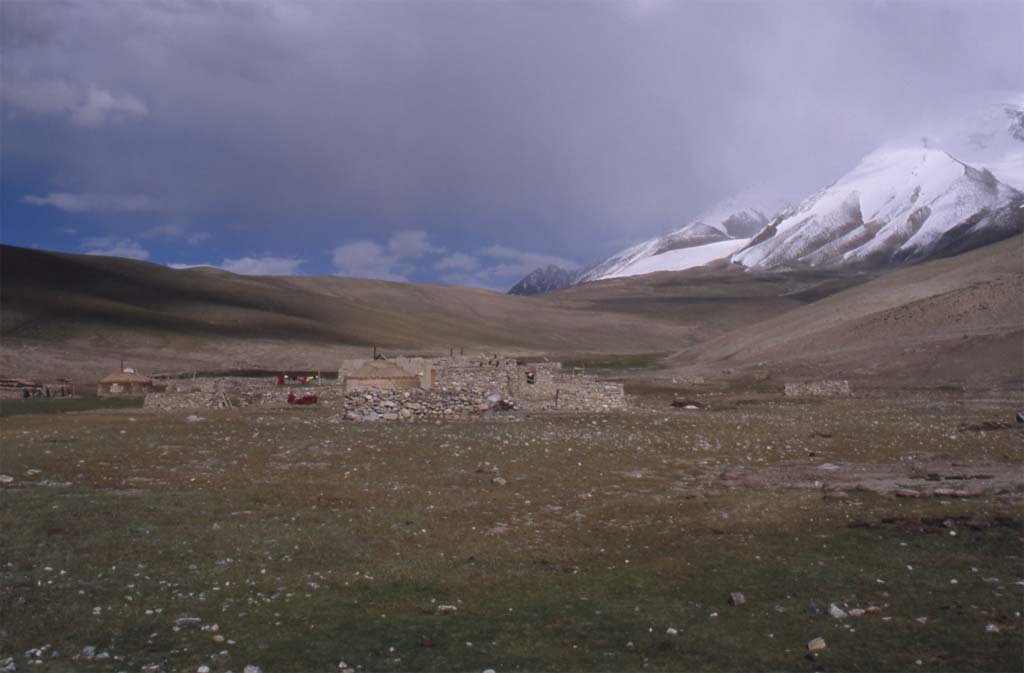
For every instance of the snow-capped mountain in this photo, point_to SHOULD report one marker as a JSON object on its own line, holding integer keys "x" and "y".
{"x": 898, "y": 205}
{"x": 954, "y": 188}
{"x": 990, "y": 135}
{"x": 544, "y": 279}
{"x": 714, "y": 234}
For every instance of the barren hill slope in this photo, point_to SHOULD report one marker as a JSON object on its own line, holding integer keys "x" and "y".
{"x": 77, "y": 307}
{"x": 79, "y": 315}
{"x": 954, "y": 320}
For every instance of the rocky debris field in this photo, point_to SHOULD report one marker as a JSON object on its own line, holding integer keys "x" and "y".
{"x": 778, "y": 534}
{"x": 416, "y": 404}
{"x": 367, "y": 405}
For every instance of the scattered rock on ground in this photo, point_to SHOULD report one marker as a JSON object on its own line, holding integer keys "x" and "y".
{"x": 816, "y": 645}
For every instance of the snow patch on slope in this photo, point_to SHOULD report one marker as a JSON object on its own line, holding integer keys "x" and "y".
{"x": 677, "y": 260}
{"x": 897, "y": 205}
{"x": 715, "y": 233}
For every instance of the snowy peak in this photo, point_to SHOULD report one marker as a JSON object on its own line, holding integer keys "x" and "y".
{"x": 901, "y": 204}
{"x": 989, "y": 133}
{"x": 542, "y": 280}
{"x": 898, "y": 205}
{"x": 716, "y": 234}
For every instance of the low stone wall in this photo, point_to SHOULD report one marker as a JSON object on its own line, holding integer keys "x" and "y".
{"x": 356, "y": 385}
{"x": 591, "y": 396}
{"x": 539, "y": 382}
{"x": 231, "y": 392}
{"x": 818, "y": 389}
{"x": 487, "y": 378}
{"x": 535, "y": 381}
{"x": 411, "y": 405}
{"x": 186, "y": 401}
{"x": 16, "y": 389}
{"x": 461, "y": 384}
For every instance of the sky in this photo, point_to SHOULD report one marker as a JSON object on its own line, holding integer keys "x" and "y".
{"x": 452, "y": 142}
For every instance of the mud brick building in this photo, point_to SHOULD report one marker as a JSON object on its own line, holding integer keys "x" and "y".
{"x": 124, "y": 384}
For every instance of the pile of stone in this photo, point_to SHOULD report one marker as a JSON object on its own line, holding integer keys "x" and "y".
{"x": 416, "y": 404}
{"x": 185, "y": 401}
{"x": 818, "y": 389}
{"x": 230, "y": 393}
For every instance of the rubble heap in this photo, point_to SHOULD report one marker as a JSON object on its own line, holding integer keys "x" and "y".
{"x": 818, "y": 389}
{"x": 229, "y": 392}
{"x": 394, "y": 405}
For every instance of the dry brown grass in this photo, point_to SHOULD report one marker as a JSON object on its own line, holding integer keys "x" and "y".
{"x": 309, "y": 541}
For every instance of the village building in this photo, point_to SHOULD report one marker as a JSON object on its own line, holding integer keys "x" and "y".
{"x": 127, "y": 383}
{"x": 380, "y": 375}
{"x": 535, "y": 386}
{"x": 406, "y": 388}
{"x": 18, "y": 389}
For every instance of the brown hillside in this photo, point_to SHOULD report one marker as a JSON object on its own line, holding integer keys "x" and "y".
{"x": 78, "y": 314}
{"x": 954, "y": 320}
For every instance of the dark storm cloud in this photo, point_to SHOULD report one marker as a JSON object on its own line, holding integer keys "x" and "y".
{"x": 563, "y": 128}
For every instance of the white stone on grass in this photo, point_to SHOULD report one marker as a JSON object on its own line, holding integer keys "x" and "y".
{"x": 836, "y": 611}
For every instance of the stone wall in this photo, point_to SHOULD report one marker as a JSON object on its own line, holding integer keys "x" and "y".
{"x": 588, "y": 395}
{"x": 232, "y": 391}
{"x": 349, "y": 366}
{"x": 540, "y": 386}
{"x": 489, "y": 379}
{"x": 415, "y": 404}
{"x": 818, "y": 389}
{"x": 539, "y": 382}
{"x": 355, "y": 385}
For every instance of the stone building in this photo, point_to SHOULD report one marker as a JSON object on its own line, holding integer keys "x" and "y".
{"x": 380, "y": 375}
{"x": 23, "y": 389}
{"x": 445, "y": 387}
{"x": 16, "y": 389}
{"x": 124, "y": 384}
{"x": 534, "y": 386}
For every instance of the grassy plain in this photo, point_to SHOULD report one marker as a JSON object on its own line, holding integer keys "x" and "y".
{"x": 309, "y": 541}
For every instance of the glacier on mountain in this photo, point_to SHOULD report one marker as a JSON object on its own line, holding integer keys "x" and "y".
{"x": 898, "y": 205}
{"x": 714, "y": 234}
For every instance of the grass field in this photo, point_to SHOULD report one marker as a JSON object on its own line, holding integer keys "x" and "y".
{"x": 310, "y": 542}
{"x": 63, "y": 405}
